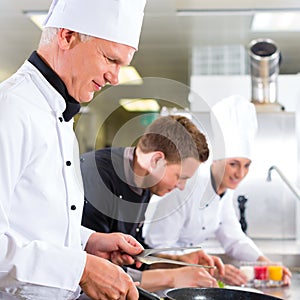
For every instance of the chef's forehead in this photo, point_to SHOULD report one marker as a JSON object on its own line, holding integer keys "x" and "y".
{"x": 119, "y": 21}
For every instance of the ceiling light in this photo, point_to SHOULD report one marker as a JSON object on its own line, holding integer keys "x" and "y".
{"x": 139, "y": 104}
{"x": 129, "y": 75}
{"x": 276, "y": 21}
{"x": 37, "y": 17}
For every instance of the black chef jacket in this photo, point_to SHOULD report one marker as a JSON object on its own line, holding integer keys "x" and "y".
{"x": 111, "y": 203}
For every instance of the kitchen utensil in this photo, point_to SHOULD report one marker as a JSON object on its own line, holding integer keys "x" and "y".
{"x": 149, "y": 260}
{"x": 205, "y": 294}
{"x": 151, "y": 251}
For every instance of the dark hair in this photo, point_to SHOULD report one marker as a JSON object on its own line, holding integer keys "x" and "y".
{"x": 177, "y": 137}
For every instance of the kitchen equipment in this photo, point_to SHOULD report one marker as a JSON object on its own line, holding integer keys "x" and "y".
{"x": 205, "y": 294}
{"x": 146, "y": 257}
{"x": 265, "y": 59}
{"x": 242, "y": 207}
{"x": 149, "y": 260}
{"x": 151, "y": 251}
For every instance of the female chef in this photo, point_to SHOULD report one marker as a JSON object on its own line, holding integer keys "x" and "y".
{"x": 205, "y": 208}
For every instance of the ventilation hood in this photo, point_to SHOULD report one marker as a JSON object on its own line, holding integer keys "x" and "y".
{"x": 265, "y": 59}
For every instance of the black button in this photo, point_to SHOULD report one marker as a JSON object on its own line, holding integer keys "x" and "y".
{"x": 203, "y": 228}
{"x": 68, "y": 163}
{"x": 60, "y": 119}
{"x": 73, "y": 207}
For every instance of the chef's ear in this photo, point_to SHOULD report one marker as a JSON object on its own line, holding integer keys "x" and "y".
{"x": 157, "y": 159}
{"x": 66, "y": 38}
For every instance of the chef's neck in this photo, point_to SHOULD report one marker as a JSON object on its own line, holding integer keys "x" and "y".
{"x": 216, "y": 180}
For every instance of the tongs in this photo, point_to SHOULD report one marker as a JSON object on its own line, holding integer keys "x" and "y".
{"x": 147, "y": 258}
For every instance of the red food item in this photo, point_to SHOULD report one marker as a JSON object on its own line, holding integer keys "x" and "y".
{"x": 261, "y": 272}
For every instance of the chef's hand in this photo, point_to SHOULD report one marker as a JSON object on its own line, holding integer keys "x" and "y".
{"x": 287, "y": 275}
{"x": 179, "y": 277}
{"x": 103, "y": 280}
{"x": 192, "y": 277}
{"x": 117, "y": 247}
{"x": 232, "y": 276}
{"x": 202, "y": 258}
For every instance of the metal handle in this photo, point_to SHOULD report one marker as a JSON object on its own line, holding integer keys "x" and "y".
{"x": 147, "y": 252}
{"x": 149, "y": 260}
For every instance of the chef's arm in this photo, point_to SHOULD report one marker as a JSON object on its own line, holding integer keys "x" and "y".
{"x": 196, "y": 257}
{"x": 85, "y": 234}
{"x": 26, "y": 268}
{"x": 26, "y": 263}
{"x": 156, "y": 280}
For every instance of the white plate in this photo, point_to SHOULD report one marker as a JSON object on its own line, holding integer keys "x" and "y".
{"x": 241, "y": 288}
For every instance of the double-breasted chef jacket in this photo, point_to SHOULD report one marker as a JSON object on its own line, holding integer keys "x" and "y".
{"x": 41, "y": 193}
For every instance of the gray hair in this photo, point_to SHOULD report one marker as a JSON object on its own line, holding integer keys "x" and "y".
{"x": 49, "y": 33}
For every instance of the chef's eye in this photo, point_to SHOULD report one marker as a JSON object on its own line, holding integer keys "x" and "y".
{"x": 111, "y": 60}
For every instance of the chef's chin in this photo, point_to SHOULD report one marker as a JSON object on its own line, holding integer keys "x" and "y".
{"x": 233, "y": 186}
{"x": 86, "y": 99}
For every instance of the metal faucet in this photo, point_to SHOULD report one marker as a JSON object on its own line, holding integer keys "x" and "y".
{"x": 291, "y": 187}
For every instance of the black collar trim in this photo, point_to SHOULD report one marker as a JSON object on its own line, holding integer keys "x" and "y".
{"x": 72, "y": 106}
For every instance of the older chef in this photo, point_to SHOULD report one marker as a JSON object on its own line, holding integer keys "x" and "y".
{"x": 45, "y": 253}
{"x": 205, "y": 208}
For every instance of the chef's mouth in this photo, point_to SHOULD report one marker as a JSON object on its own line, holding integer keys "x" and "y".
{"x": 98, "y": 86}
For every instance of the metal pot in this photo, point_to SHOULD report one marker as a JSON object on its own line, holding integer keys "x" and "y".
{"x": 206, "y": 294}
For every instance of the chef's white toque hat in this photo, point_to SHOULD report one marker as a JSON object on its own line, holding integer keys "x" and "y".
{"x": 119, "y": 21}
{"x": 234, "y": 126}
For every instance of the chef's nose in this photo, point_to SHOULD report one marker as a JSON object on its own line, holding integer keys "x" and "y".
{"x": 113, "y": 76}
{"x": 241, "y": 172}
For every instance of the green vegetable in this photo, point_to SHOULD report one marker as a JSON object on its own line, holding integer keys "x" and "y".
{"x": 221, "y": 284}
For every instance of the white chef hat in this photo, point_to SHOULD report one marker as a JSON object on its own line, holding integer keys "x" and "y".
{"x": 234, "y": 126}
{"x": 113, "y": 20}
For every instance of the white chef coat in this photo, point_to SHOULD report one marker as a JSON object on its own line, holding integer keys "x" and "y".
{"x": 41, "y": 193}
{"x": 189, "y": 217}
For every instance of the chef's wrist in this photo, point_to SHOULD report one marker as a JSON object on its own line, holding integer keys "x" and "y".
{"x": 156, "y": 280}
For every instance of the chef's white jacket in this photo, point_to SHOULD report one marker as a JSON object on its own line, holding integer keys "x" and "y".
{"x": 41, "y": 194}
{"x": 189, "y": 217}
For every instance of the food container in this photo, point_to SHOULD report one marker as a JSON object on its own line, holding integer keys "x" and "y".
{"x": 262, "y": 274}
{"x": 248, "y": 269}
{"x": 275, "y": 271}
